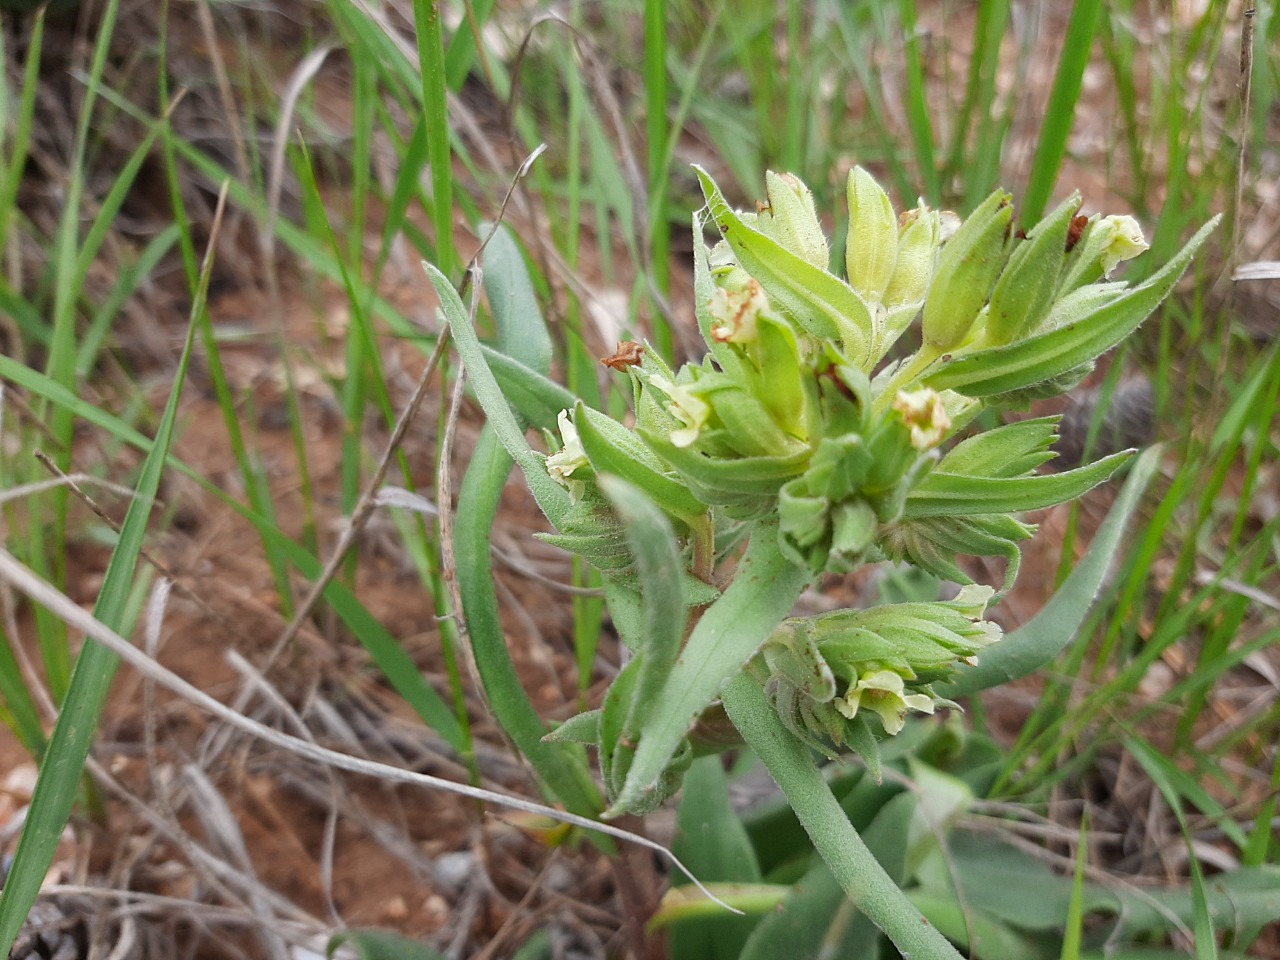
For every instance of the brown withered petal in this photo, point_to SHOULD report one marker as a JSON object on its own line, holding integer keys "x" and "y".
{"x": 1076, "y": 231}
{"x": 628, "y": 354}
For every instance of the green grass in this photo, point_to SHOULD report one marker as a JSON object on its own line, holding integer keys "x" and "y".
{"x": 943, "y": 100}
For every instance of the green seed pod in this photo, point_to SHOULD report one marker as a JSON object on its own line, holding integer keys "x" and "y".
{"x": 968, "y": 267}
{"x": 917, "y": 254}
{"x": 872, "y": 249}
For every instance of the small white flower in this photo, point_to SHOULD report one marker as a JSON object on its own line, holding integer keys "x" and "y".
{"x": 561, "y": 465}
{"x": 1125, "y": 241}
{"x": 690, "y": 410}
{"x": 884, "y": 693}
{"x": 734, "y": 312}
{"x": 925, "y": 414}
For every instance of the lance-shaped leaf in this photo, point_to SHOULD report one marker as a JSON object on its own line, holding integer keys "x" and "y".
{"x": 514, "y": 302}
{"x": 612, "y": 448}
{"x": 871, "y": 248}
{"x": 1012, "y": 450}
{"x": 660, "y": 571}
{"x": 934, "y": 543}
{"x": 537, "y": 398}
{"x": 616, "y": 751}
{"x": 968, "y": 267}
{"x": 792, "y": 220}
{"x": 751, "y": 476}
{"x": 948, "y": 494}
{"x": 561, "y": 768}
{"x": 999, "y": 370}
{"x": 763, "y": 591}
{"x": 551, "y": 497}
{"x": 582, "y": 728}
{"x": 1044, "y": 637}
{"x": 818, "y": 301}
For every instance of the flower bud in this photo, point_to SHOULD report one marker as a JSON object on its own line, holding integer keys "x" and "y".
{"x": 917, "y": 254}
{"x": 871, "y": 252}
{"x": 968, "y": 267}
{"x": 792, "y": 220}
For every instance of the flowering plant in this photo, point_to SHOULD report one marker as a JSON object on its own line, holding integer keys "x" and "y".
{"x": 807, "y": 442}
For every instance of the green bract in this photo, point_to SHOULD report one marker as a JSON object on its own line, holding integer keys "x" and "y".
{"x": 797, "y": 436}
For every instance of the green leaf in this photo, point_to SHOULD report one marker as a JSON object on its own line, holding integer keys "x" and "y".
{"x": 976, "y": 931}
{"x": 521, "y": 330}
{"x": 1018, "y": 889}
{"x": 551, "y": 497}
{"x": 1075, "y": 912}
{"x": 561, "y": 767}
{"x": 95, "y": 668}
{"x": 713, "y": 843}
{"x": 616, "y": 751}
{"x": 537, "y": 947}
{"x": 1044, "y": 637}
{"x": 818, "y": 301}
{"x": 817, "y": 920}
{"x": 1024, "y": 293}
{"x": 1159, "y": 769}
{"x": 612, "y": 448}
{"x": 863, "y": 879}
{"x": 660, "y": 572}
{"x": 950, "y": 495}
{"x": 536, "y": 398}
{"x": 718, "y": 478}
{"x": 1012, "y": 450}
{"x": 381, "y": 945}
{"x": 580, "y": 728}
{"x": 1042, "y": 357}
{"x": 730, "y": 632}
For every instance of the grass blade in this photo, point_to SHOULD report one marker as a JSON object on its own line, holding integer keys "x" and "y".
{"x": 63, "y": 765}
{"x": 426, "y": 16}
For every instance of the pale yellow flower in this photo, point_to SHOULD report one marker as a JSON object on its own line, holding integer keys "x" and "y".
{"x": 925, "y": 414}
{"x": 734, "y": 312}
{"x": 685, "y": 406}
{"x": 1126, "y": 241}
{"x": 884, "y": 693}
{"x": 562, "y": 464}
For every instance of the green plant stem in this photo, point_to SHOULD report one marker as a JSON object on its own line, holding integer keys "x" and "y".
{"x": 791, "y": 765}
